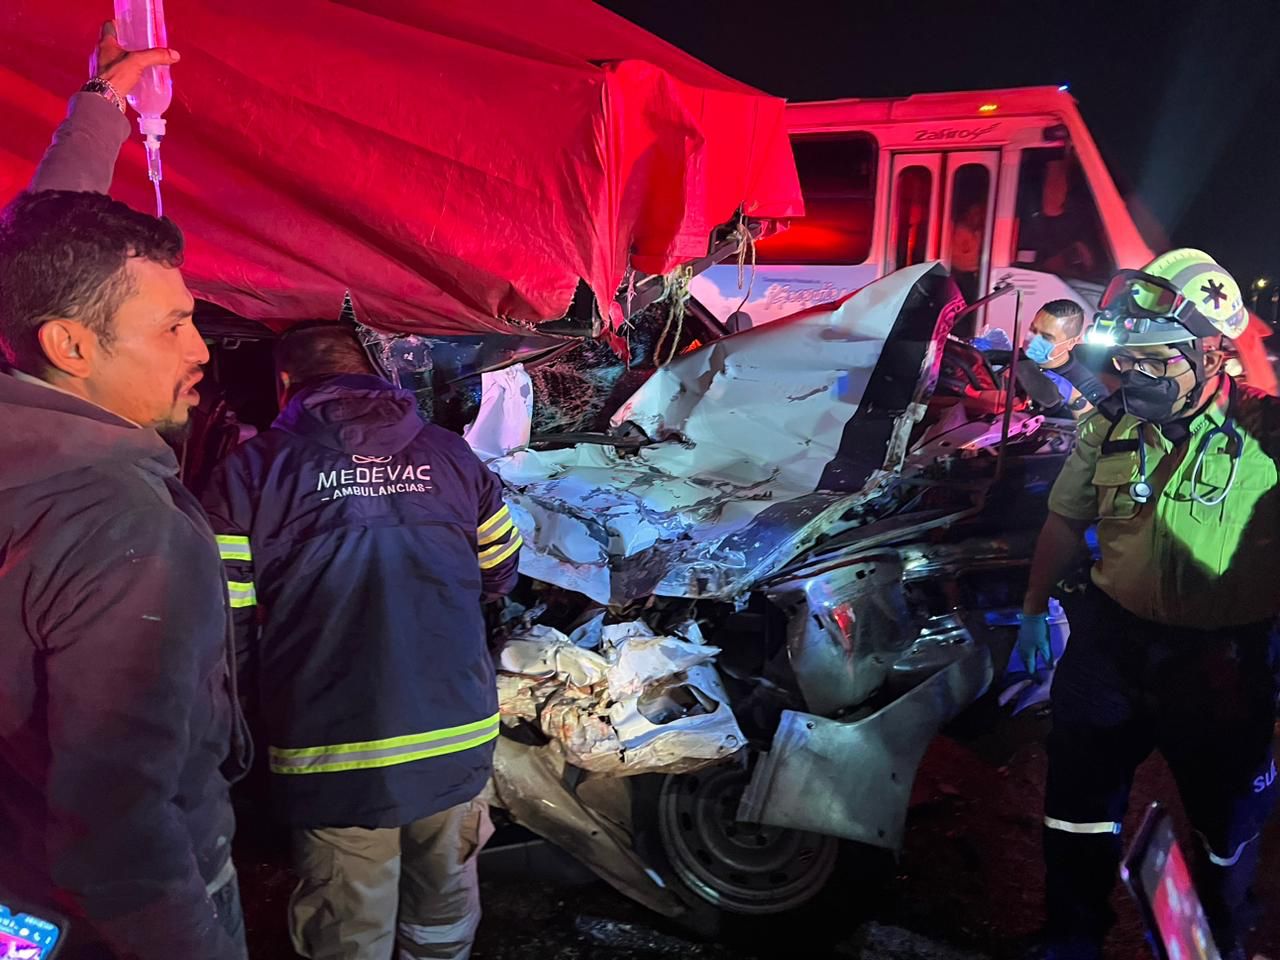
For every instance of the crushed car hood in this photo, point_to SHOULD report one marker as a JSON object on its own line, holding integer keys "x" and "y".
{"x": 758, "y": 442}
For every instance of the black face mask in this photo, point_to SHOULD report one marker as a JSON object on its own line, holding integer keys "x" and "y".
{"x": 1153, "y": 399}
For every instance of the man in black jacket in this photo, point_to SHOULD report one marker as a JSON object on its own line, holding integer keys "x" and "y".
{"x": 360, "y": 543}
{"x": 117, "y": 711}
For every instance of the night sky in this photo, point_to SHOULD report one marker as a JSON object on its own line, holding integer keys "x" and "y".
{"x": 1183, "y": 98}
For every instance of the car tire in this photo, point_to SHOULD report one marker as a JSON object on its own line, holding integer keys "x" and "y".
{"x": 736, "y": 878}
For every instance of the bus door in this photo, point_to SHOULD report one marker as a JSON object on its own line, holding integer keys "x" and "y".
{"x": 968, "y": 218}
{"x": 942, "y": 207}
{"x": 915, "y": 194}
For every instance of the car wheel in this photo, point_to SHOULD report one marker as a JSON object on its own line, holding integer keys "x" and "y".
{"x": 736, "y": 867}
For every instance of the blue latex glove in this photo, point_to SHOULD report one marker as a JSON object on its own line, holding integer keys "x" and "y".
{"x": 1033, "y": 641}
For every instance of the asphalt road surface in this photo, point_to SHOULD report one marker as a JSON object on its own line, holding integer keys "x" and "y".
{"x": 968, "y": 884}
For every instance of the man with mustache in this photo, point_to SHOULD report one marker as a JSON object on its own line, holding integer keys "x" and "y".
{"x": 118, "y": 718}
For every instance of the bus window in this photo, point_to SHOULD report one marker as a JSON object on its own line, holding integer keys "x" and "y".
{"x": 1059, "y": 230}
{"x": 913, "y": 196}
{"x": 838, "y": 180}
{"x": 970, "y": 190}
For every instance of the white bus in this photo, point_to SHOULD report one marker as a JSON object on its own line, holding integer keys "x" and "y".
{"x": 1000, "y": 185}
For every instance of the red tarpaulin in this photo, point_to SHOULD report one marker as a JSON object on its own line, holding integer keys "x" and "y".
{"x": 451, "y": 164}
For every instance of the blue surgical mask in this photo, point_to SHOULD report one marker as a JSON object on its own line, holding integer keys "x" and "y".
{"x": 1039, "y": 349}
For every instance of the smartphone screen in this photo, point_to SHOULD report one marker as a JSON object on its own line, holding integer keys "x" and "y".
{"x": 1179, "y": 917}
{"x": 24, "y": 936}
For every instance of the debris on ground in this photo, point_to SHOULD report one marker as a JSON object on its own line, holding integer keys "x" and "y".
{"x": 878, "y": 941}
{"x": 638, "y": 937}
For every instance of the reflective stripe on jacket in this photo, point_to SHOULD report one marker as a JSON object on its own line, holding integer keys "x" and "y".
{"x": 359, "y": 544}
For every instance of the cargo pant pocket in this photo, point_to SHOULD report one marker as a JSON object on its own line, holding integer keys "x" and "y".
{"x": 344, "y": 906}
{"x": 477, "y": 829}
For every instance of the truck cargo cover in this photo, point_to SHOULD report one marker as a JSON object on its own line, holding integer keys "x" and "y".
{"x": 455, "y": 166}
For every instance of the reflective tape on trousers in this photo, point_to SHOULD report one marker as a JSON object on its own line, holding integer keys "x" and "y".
{"x": 371, "y": 754}
{"x": 1066, "y": 826}
{"x": 1230, "y": 861}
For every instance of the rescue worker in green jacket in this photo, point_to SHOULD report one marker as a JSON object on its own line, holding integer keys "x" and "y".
{"x": 1171, "y": 647}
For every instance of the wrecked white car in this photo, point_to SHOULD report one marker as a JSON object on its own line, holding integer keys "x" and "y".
{"x": 757, "y": 577}
{"x": 810, "y": 528}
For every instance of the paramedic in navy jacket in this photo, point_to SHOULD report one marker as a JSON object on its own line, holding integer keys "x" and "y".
{"x": 360, "y": 544}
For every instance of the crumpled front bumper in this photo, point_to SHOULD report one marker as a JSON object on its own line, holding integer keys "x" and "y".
{"x": 852, "y": 778}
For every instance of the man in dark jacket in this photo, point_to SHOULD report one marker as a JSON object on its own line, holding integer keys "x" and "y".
{"x": 361, "y": 542}
{"x": 1049, "y": 371}
{"x": 116, "y": 702}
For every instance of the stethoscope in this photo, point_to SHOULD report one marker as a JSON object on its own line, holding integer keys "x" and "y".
{"x": 1141, "y": 492}
{"x": 1234, "y": 449}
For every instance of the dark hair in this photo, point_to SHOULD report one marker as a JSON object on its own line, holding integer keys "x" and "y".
{"x": 1067, "y": 310}
{"x": 313, "y": 351}
{"x": 63, "y": 254}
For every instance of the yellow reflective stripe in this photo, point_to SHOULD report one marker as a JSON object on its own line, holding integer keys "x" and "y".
{"x": 489, "y": 560}
{"x": 234, "y": 548}
{"x": 488, "y": 552}
{"x": 497, "y": 534}
{"x": 497, "y": 518}
{"x": 405, "y": 741}
{"x": 383, "y": 753}
{"x": 241, "y": 593}
{"x": 388, "y": 761}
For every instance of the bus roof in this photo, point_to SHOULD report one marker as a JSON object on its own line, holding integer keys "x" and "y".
{"x": 960, "y": 105}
